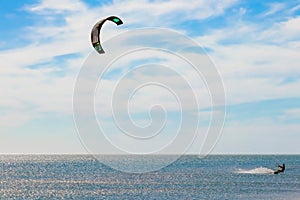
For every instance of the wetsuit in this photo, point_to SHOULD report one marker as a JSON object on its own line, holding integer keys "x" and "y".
{"x": 282, "y": 168}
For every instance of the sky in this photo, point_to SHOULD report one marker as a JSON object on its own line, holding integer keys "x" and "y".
{"x": 254, "y": 45}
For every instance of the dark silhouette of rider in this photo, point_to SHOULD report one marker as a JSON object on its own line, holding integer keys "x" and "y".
{"x": 281, "y": 169}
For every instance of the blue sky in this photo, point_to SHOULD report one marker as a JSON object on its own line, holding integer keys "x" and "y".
{"x": 255, "y": 46}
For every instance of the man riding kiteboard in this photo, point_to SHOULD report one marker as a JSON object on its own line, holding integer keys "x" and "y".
{"x": 281, "y": 169}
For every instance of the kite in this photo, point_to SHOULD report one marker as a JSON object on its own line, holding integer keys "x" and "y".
{"x": 95, "y": 34}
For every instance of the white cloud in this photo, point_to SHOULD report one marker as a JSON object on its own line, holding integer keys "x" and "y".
{"x": 255, "y": 62}
{"x": 56, "y": 6}
{"x": 253, "y": 58}
{"x": 274, "y": 8}
{"x": 291, "y": 114}
{"x": 155, "y": 13}
{"x": 295, "y": 8}
{"x": 13, "y": 118}
{"x": 282, "y": 33}
{"x": 259, "y": 137}
{"x": 14, "y": 142}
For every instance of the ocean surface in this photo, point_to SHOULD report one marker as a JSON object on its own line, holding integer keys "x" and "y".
{"x": 213, "y": 177}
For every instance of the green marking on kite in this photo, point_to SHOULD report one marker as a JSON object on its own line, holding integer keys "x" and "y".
{"x": 116, "y": 20}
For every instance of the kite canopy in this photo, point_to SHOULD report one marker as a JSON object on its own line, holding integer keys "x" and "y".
{"x": 95, "y": 34}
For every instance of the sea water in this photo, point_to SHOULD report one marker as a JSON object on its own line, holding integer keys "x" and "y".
{"x": 190, "y": 177}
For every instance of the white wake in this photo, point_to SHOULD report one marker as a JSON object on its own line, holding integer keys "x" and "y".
{"x": 259, "y": 170}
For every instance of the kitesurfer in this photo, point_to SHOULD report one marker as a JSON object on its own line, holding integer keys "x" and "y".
{"x": 281, "y": 169}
